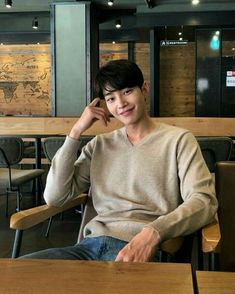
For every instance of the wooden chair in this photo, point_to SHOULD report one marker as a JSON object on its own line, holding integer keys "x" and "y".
{"x": 218, "y": 238}
{"x": 29, "y": 218}
{"x": 225, "y": 188}
{"x": 11, "y": 179}
{"x": 50, "y": 147}
{"x": 214, "y": 149}
{"x": 26, "y": 219}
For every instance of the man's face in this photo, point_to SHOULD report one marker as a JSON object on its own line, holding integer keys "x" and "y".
{"x": 127, "y": 105}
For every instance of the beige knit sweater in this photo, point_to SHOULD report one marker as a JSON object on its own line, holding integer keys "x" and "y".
{"x": 161, "y": 182}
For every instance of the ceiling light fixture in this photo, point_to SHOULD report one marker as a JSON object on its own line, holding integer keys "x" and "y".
{"x": 35, "y": 23}
{"x": 8, "y": 3}
{"x": 195, "y": 2}
{"x": 181, "y": 33}
{"x": 118, "y": 24}
{"x": 110, "y": 2}
{"x": 165, "y": 33}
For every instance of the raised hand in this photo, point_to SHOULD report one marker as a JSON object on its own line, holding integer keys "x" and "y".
{"x": 90, "y": 114}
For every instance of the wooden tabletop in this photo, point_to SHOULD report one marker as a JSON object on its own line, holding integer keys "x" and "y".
{"x": 215, "y": 282}
{"x": 93, "y": 277}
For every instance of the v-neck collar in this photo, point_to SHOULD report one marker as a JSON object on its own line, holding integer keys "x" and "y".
{"x": 142, "y": 141}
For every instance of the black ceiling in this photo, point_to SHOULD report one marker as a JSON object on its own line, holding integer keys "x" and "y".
{"x": 137, "y": 16}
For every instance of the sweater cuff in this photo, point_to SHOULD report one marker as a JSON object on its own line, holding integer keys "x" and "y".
{"x": 157, "y": 232}
{"x": 71, "y": 145}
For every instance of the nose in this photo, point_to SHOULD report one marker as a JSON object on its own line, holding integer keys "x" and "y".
{"x": 121, "y": 101}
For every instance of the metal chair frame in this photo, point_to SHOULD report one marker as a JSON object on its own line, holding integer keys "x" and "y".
{"x": 5, "y": 162}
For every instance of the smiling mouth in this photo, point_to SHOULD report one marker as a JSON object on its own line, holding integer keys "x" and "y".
{"x": 126, "y": 112}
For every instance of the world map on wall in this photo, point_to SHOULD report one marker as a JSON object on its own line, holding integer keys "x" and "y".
{"x": 25, "y": 75}
{"x": 10, "y": 89}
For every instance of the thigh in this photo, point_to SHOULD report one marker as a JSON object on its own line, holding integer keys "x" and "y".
{"x": 78, "y": 252}
{"x": 110, "y": 248}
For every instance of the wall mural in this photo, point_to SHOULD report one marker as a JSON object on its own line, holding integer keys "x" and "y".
{"x": 25, "y": 80}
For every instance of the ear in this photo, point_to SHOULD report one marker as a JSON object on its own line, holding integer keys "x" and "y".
{"x": 145, "y": 89}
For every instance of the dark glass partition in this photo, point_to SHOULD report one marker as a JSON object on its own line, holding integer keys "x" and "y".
{"x": 228, "y": 73}
{"x": 208, "y": 65}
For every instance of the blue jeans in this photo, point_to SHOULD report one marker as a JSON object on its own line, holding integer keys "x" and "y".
{"x": 97, "y": 248}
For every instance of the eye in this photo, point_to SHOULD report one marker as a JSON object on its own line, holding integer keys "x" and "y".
{"x": 128, "y": 91}
{"x": 109, "y": 99}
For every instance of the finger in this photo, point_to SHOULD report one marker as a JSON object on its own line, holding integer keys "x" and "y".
{"x": 119, "y": 257}
{"x": 95, "y": 101}
{"x": 100, "y": 114}
{"x": 101, "y": 117}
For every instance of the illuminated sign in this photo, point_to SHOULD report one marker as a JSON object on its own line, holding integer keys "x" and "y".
{"x": 173, "y": 42}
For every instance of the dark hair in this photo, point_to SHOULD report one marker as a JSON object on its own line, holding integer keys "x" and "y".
{"x": 117, "y": 75}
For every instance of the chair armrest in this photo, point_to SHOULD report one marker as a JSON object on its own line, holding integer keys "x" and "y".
{"x": 211, "y": 237}
{"x": 171, "y": 246}
{"x": 28, "y": 218}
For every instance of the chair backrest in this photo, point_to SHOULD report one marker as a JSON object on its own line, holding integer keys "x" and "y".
{"x": 12, "y": 149}
{"x": 225, "y": 191}
{"x": 88, "y": 214}
{"x": 52, "y": 144}
{"x": 215, "y": 149}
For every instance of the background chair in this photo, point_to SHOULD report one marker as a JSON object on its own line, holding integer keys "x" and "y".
{"x": 11, "y": 179}
{"x": 215, "y": 149}
{"x": 225, "y": 187}
{"x": 50, "y": 147}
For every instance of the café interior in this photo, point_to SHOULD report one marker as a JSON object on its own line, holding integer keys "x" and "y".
{"x": 50, "y": 52}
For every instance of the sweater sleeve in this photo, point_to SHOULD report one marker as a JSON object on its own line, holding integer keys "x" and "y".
{"x": 199, "y": 203}
{"x": 68, "y": 176}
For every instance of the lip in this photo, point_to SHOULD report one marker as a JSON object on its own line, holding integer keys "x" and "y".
{"x": 126, "y": 112}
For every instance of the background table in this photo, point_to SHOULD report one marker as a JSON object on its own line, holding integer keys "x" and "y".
{"x": 60, "y": 277}
{"x": 215, "y": 282}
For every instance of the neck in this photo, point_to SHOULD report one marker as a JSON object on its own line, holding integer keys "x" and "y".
{"x": 137, "y": 132}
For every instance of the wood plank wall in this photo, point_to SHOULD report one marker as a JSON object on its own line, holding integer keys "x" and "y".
{"x": 177, "y": 82}
{"x": 26, "y": 69}
{"x": 177, "y": 68}
{"x": 25, "y": 80}
{"x": 142, "y": 58}
{"x": 30, "y": 95}
{"x": 112, "y": 51}
{"x": 228, "y": 48}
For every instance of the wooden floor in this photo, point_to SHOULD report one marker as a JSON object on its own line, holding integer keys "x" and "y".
{"x": 63, "y": 231}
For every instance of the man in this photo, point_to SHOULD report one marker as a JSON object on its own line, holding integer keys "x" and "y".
{"x": 149, "y": 181}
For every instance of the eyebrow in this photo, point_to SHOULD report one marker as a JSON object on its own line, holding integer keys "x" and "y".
{"x": 108, "y": 92}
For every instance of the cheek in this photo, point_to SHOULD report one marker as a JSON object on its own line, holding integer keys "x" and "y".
{"x": 110, "y": 108}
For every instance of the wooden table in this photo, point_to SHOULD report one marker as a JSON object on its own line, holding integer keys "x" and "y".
{"x": 215, "y": 282}
{"x": 93, "y": 277}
